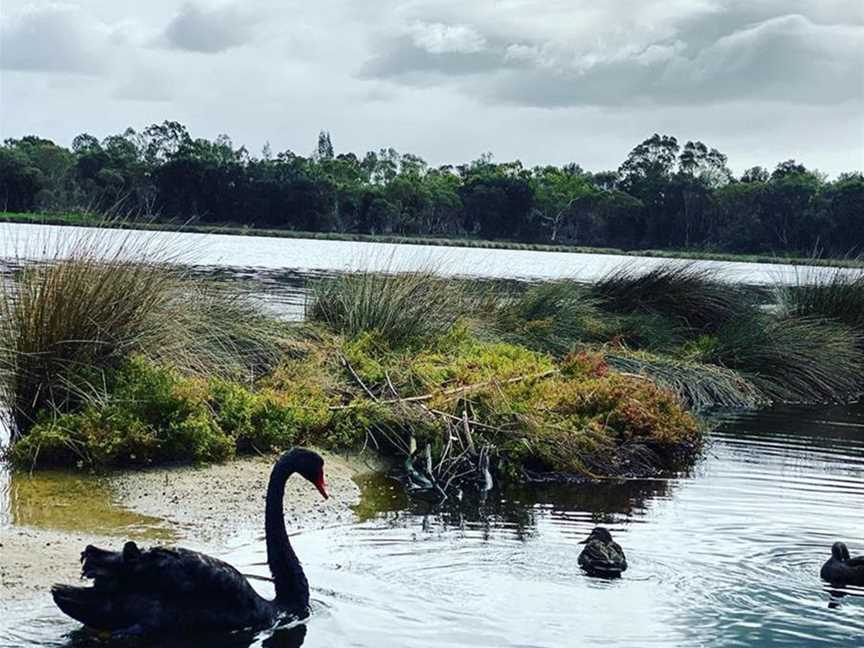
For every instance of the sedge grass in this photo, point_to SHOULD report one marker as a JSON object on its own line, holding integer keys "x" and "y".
{"x": 692, "y": 297}
{"x": 834, "y": 294}
{"x": 797, "y": 359}
{"x": 94, "y": 300}
{"x": 400, "y": 307}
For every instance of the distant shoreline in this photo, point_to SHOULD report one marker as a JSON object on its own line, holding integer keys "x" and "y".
{"x": 84, "y": 220}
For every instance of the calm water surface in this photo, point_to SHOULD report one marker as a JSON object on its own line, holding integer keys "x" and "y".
{"x": 726, "y": 555}
{"x": 316, "y": 256}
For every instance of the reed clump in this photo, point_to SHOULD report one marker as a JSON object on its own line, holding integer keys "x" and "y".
{"x": 94, "y": 301}
{"x": 402, "y": 307}
{"x": 835, "y": 294}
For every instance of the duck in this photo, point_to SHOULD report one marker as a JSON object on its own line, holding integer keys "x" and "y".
{"x": 602, "y": 556}
{"x": 172, "y": 590}
{"x": 841, "y": 569}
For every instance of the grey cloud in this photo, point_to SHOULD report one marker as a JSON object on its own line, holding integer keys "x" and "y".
{"x": 404, "y": 59}
{"x": 53, "y": 38}
{"x": 199, "y": 29}
{"x": 785, "y": 58}
{"x": 779, "y": 58}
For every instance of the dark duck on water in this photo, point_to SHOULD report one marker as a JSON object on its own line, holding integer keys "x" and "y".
{"x": 841, "y": 569}
{"x": 602, "y": 556}
{"x": 177, "y": 591}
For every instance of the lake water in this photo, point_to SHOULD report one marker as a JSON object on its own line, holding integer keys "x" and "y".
{"x": 725, "y": 555}
{"x": 306, "y": 256}
{"x": 281, "y": 270}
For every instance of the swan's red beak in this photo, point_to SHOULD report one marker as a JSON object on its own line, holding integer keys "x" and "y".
{"x": 321, "y": 486}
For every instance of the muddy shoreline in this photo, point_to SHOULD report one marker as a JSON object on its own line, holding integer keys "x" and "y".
{"x": 195, "y": 506}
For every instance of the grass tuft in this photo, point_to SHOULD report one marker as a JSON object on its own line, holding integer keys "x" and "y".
{"x": 835, "y": 294}
{"x": 699, "y": 386}
{"x": 98, "y": 300}
{"x": 401, "y": 307}
{"x": 692, "y": 297}
{"x": 799, "y": 359}
{"x": 552, "y": 317}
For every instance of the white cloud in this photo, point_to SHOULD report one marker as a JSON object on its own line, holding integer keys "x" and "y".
{"x": 437, "y": 38}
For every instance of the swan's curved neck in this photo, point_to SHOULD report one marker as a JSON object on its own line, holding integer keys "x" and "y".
{"x": 292, "y": 589}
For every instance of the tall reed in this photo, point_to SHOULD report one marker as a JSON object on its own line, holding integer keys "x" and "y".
{"x": 691, "y": 296}
{"x": 402, "y": 307}
{"x": 95, "y": 299}
{"x": 837, "y": 294}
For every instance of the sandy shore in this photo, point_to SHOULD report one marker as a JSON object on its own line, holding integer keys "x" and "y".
{"x": 200, "y": 507}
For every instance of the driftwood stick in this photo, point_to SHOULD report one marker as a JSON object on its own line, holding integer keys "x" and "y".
{"x": 357, "y": 378}
{"x": 429, "y": 461}
{"x": 469, "y": 440}
{"x": 449, "y": 392}
{"x": 390, "y": 385}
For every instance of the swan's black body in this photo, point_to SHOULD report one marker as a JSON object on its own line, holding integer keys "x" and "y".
{"x": 602, "y": 556}
{"x": 841, "y": 569}
{"x": 174, "y": 590}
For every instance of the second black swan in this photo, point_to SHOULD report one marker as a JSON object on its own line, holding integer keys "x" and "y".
{"x": 175, "y": 590}
{"x": 841, "y": 569}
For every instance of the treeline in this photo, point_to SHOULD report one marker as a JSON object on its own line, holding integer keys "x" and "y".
{"x": 663, "y": 195}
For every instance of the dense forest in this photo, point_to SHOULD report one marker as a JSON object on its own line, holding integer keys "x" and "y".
{"x": 663, "y": 195}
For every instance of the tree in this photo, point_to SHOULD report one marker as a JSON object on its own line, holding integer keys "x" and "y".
{"x": 497, "y": 203}
{"x": 844, "y": 203}
{"x": 325, "y": 147}
{"x": 560, "y": 199}
{"x": 161, "y": 142}
{"x": 755, "y": 174}
{"x": 647, "y": 175}
{"x": 20, "y": 181}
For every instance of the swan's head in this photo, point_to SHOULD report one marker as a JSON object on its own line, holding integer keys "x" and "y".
{"x": 839, "y": 551}
{"x": 309, "y": 465}
{"x": 599, "y": 533}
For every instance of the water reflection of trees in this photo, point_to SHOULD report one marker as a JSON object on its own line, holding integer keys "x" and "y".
{"x": 515, "y": 510}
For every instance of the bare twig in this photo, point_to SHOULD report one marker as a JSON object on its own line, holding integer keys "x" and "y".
{"x": 357, "y": 378}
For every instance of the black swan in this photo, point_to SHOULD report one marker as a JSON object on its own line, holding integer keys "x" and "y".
{"x": 841, "y": 569}
{"x": 602, "y": 556}
{"x": 174, "y": 590}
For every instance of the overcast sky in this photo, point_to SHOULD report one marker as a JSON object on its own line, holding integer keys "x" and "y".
{"x": 541, "y": 80}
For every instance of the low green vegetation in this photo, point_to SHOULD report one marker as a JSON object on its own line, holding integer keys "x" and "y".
{"x": 122, "y": 359}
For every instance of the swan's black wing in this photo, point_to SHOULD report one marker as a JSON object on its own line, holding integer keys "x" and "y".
{"x": 602, "y": 557}
{"x": 163, "y": 587}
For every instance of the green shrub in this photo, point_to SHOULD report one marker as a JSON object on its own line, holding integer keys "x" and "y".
{"x": 152, "y": 414}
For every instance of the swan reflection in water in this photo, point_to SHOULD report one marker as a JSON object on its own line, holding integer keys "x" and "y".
{"x": 287, "y": 637}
